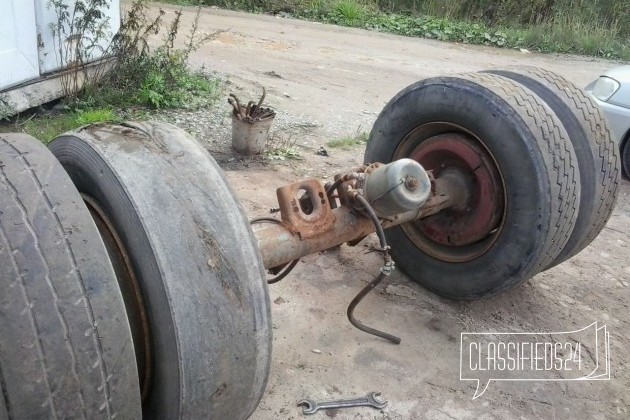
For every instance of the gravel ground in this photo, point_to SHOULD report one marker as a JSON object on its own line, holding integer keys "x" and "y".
{"x": 306, "y": 133}
{"x": 333, "y": 81}
{"x": 213, "y": 127}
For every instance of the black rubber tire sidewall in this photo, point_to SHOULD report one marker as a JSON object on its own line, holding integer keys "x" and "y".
{"x": 625, "y": 157}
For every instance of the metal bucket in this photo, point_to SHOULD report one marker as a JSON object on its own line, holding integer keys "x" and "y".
{"x": 250, "y": 139}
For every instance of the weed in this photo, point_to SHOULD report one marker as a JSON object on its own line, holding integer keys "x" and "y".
{"x": 153, "y": 91}
{"x": 140, "y": 76}
{"x": 347, "y": 12}
{"x": 92, "y": 116}
{"x": 80, "y": 34}
{"x": 358, "y": 139}
{"x": 282, "y": 148}
{"x": 6, "y": 110}
{"x": 158, "y": 78}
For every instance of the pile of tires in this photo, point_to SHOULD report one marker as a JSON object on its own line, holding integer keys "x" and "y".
{"x": 130, "y": 282}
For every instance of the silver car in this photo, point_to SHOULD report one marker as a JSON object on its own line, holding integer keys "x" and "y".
{"x": 612, "y": 93}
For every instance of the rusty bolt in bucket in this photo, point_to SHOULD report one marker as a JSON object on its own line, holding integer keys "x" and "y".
{"x": 250, "y": 137}
{"x": 250, "y": 125}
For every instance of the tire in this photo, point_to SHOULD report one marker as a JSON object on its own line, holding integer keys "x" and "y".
{"x": 66, "y": 349}
{"x": 625, "y": 157}
{"x": 522, "y": 179}
{"x": 194, "y": 256}
{"x": 595, "y": 151}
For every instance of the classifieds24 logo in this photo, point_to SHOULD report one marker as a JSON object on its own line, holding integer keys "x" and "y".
{"x": 580, "y": 355}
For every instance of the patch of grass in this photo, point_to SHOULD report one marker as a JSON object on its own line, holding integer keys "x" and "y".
{"x": 543, "y": 38}
{"x": 348, "y": 13}
{"x": 283, "y": 153}
{"x": 185, "y": 89}
{"x": 183, "y": 2}
{"x": 46, "y": 127}
{"x": 92, "y": 116}
{"x": 281, "y": 148}
{"x": 142, "y": 78}
{"x": 349, "y": 142}
{"x": 156, "y": 82}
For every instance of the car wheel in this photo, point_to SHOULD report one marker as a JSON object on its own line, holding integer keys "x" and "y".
{"x": 185, "y": 244}
{"x": 625, "y": 157}
{"x": 520, "y": 169}
{"x": 65, "y": 343}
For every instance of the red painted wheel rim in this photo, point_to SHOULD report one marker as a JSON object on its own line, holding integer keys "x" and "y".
{"x": 467, "y": 230}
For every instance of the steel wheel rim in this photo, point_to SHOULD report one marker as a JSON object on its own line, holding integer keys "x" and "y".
{"x": 468, "y": 230}
{"x": 130, "y": 289}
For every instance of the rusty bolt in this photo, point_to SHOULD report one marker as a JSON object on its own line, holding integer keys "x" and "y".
{"x": 411, "y": 183}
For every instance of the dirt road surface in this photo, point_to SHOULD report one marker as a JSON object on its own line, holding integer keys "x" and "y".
{"x": 328, "y": 82}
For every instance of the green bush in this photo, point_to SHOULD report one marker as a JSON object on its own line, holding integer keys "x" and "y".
{"x": 153, "y": 77}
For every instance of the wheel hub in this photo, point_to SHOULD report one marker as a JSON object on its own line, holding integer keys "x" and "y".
{"x": 464, "y": 231}
{"x": 479, "y": 202}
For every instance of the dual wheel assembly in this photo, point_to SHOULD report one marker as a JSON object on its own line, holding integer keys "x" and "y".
{"x": 131, "y": 284}
{"x": 537, "y": 168}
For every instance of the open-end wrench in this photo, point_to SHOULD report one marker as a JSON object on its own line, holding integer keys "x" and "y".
{"x": 370, "y": 400}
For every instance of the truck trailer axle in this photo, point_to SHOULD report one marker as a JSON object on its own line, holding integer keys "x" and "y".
{"x": 322, "y": 218}
{"x": 315, "y": 217}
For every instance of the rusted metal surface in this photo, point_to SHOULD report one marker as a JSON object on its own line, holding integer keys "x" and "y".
{"x": 309, "y": 215}
{"x": 458, "y": 221}
{"x": 130, "y": 290}
{"x": 278, "y": 245}
{"x": 475, "y": 189}
{"x": 434, "y": 204}
{"x": 251, "y": 112}
{"x": 315, "y": 218}
{"x": 343, "y": 182}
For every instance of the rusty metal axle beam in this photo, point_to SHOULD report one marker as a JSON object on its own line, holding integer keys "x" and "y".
{"x": 375, "y": 197}
{"x": 282, "y": 243}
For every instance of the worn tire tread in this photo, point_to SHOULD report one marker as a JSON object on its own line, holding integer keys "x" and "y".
{"x": 195, "y": 259}
{"x": 560, "y": 157}
{"x": 604, "y": 156}
{"x": 42, "y": 279}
